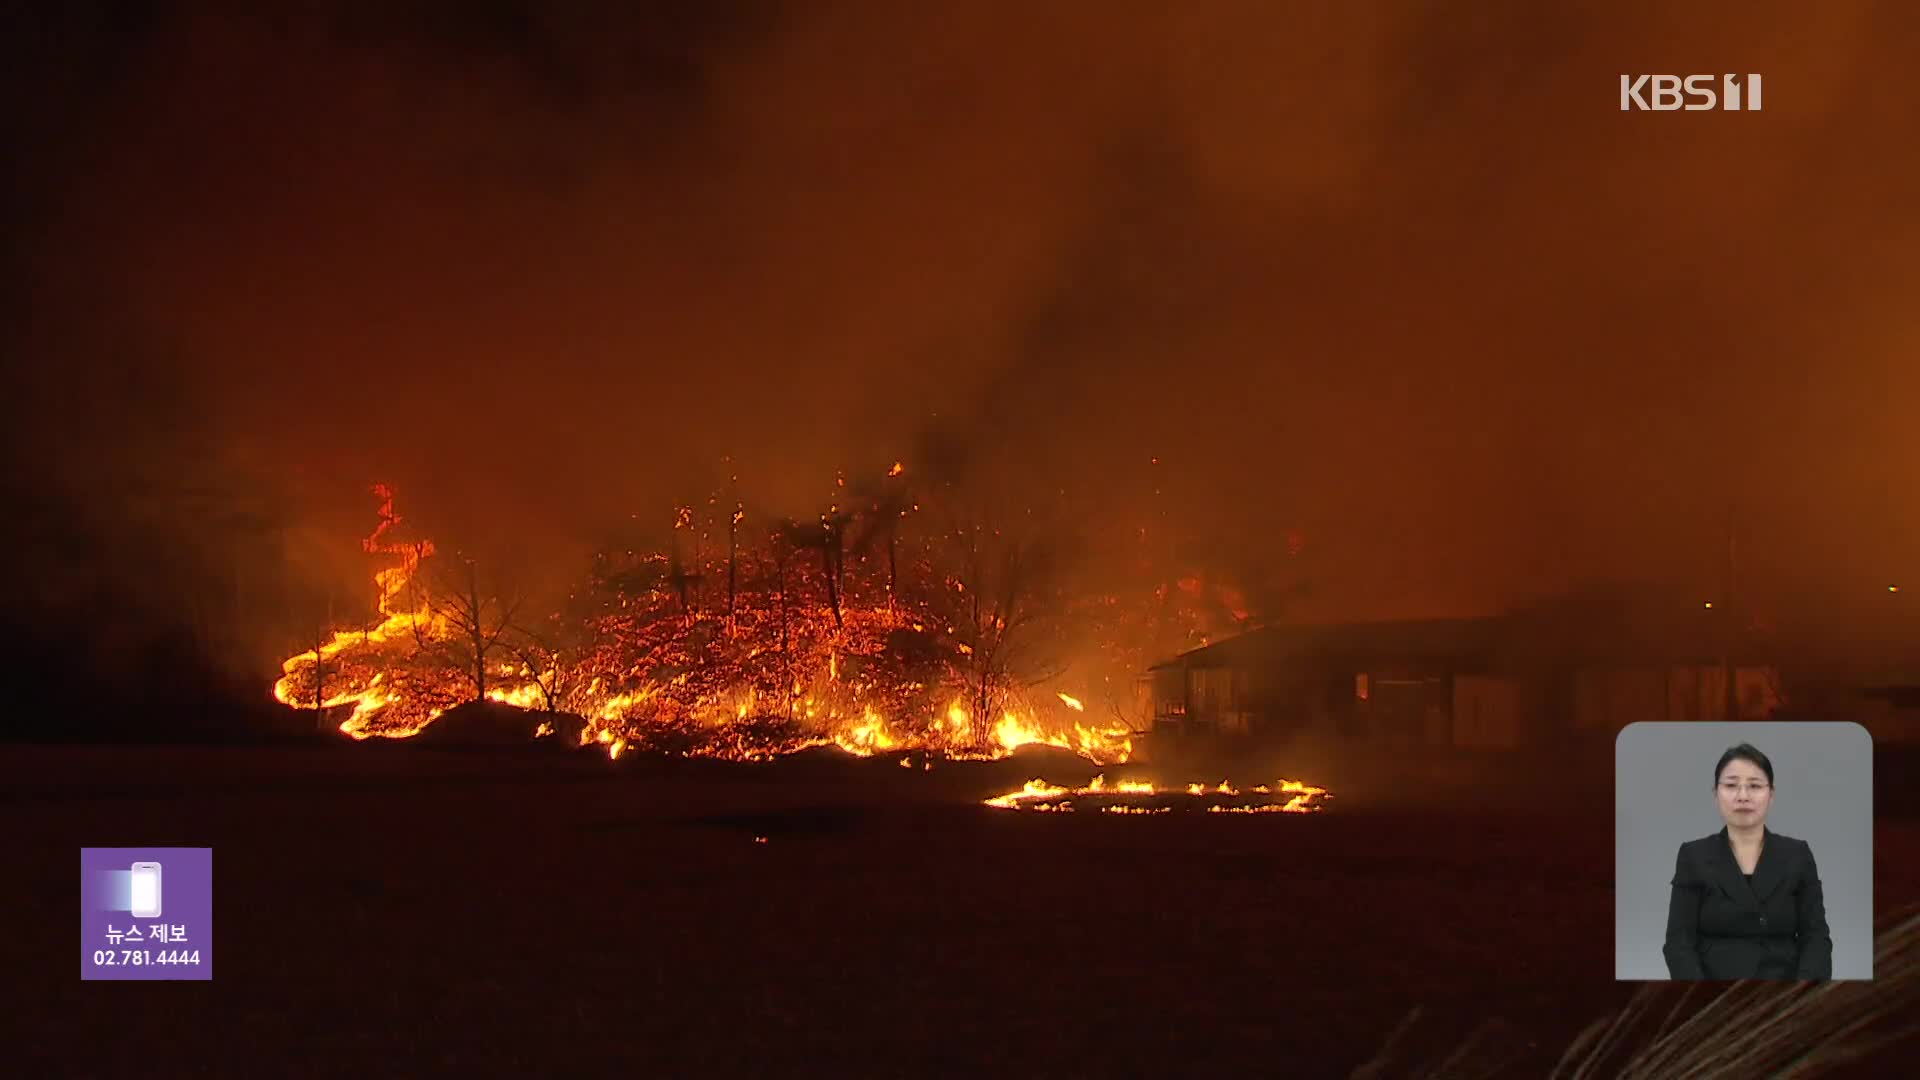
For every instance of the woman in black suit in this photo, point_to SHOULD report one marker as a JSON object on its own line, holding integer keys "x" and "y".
{"x": 1746, "y": 901}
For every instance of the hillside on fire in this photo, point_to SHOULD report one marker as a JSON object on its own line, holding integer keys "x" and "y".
{"x": 905, "y": 615}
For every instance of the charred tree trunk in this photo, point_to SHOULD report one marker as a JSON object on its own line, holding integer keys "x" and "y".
{"x": 733, "y": 551}
{"x": 832, "y": 579}
{"x": 476, "y": 632}
{"x": 549, "y": 686}
{"x": 983, "y": 703}
{"x": 320, "y": 664}
{"x": 319, "y": 681}
{"x": 838, "y": 539}
{"x": 893, "y": 564}
{"x": 786, "y": 659}
{"x": 699, "y": 567}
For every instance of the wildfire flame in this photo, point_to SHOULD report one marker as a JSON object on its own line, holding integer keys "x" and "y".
{"x": 1037, "y": 791}
{"x": 1128, "y": 797}
{"x": 368, "y": 692}
{"x": 776, "y": 671}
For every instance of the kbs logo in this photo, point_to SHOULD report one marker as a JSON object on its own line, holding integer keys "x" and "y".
{"x": 1694, "y": 93}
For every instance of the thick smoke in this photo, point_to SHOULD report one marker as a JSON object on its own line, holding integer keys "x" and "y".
{"x": 1404, "y": 283}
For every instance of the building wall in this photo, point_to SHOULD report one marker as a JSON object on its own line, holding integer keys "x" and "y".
{"x": 1218, "y": 700}
{"x": 1759, "y": 690}
{"x": 1403, "y": 710}
{"x": 1608, "y": 699}
{"x": 1696, "y": 693}
{"x": 1486, "y": 711}
{"x": 1167, "y": 694}
{"x": 1413, "y": 705}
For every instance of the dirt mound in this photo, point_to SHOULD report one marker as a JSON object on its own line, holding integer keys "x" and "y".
{"x": 490, "y": 723}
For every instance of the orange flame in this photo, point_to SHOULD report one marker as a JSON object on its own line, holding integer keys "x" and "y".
{"x": 686, "y": 672}
{"x": 1125, "y": 797}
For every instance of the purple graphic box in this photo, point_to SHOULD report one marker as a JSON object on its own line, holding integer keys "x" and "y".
{"x": 146, "y": 913}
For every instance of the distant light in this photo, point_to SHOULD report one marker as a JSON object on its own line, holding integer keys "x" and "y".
{"x": 1709, "y": 603}
{"x": 1893, "y": 588}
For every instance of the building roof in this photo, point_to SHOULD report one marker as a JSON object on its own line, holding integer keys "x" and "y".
{"x": 1461, "y": 639}
{"x": 1594, "y": 627}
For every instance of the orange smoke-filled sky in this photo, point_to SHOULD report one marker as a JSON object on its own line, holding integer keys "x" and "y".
{"x": 1400, "y": 276}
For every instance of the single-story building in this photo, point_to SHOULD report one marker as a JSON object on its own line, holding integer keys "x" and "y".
{"x": 1582, "y": 665}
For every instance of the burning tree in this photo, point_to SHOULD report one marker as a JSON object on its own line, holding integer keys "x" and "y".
{"x": 550, "y": 656}
{"x": 874, "y": 626}
{"x": 472, "y": 624}
{"x": 1004, "y": 603}
{"x": 802, "y": 649}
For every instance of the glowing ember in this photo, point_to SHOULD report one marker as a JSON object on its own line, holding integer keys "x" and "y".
{"x": 1139, "y": 797}
{"x": 851, "y": 631}
{"x": 867, "y": 737}
{"x": 721, "y": 685}
{"x": 1036, "y": 790}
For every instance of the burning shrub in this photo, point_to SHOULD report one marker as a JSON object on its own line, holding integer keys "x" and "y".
{"x": 853, "y": 630}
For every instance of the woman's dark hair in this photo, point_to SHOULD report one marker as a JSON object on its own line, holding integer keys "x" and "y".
{"x": 1744, "y": 752}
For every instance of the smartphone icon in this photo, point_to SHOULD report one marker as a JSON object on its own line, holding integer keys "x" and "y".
{"x": 146, "y": 890}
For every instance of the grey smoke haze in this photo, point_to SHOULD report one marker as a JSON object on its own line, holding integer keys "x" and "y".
{"x": 1398, "y": 275}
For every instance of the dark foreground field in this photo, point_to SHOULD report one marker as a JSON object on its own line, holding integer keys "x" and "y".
{"x": 400, "y": 911}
